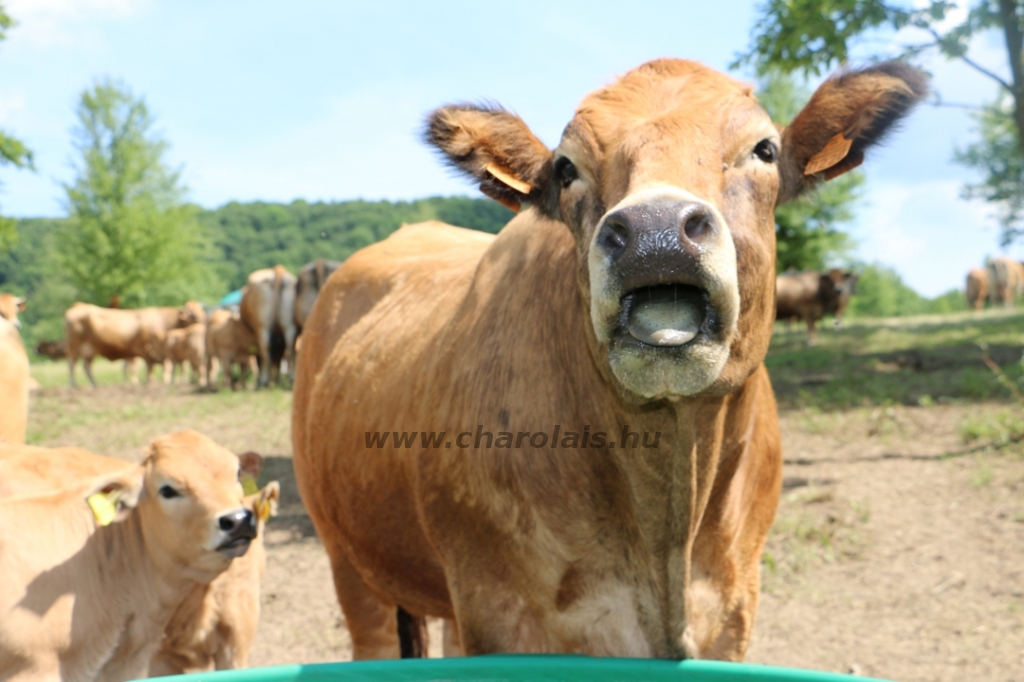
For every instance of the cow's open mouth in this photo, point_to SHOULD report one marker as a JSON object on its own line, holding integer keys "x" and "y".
{"x": 665, "y": 315}
{"x": 234, "y": 548}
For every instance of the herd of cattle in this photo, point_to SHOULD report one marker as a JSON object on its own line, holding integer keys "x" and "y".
{"x": 634, "y": 292}
{"x": 1001, "y": 282}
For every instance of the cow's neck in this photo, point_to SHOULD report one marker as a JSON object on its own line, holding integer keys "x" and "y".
{"x": 669, "y": 484}
{"x": 138, "y": 594}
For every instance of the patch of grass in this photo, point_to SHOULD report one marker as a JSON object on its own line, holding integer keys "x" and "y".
{"x": 982, "y": 474}
{"x": 918, "y": 361}
{"x": 812, "y": 526}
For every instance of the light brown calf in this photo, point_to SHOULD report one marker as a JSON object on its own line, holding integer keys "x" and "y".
{"x": 15, "y": 381}
{"x": 214, "y": 627}
{"x": 1006, "y": 280}
{"x": 229, "y": 342}
{"x": 93, "y": 572}
{"x": 605, "y": 460}
{"x": 179, "y": 346}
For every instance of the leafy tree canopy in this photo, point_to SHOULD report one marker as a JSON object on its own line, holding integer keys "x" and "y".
{"x": 13, "y": 151}
{"x": 130, "y": 235}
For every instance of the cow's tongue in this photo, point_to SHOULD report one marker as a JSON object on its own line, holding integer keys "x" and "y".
{"x": 666, "y": 315}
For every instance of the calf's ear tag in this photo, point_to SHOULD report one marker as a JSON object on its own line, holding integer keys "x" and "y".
{"x": 833, "y": 152}
{"x": 249, "y": 485}
{"x": 103, "y": 507}
{"x": 509, "y": 179}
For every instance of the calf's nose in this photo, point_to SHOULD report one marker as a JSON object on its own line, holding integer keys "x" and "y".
{"x": 240, "y": 523}
{"x": 675, "y": 225}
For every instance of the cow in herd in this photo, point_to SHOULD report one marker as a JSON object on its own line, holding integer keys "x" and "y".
{"x": 1000, "y": 282}
{"x": 117, "y": 334}
{"x": 99, "y": 556}
{"x": 633, "y": 294}
{"x": 15, "y": 378}
{"x": 810, "y": 296}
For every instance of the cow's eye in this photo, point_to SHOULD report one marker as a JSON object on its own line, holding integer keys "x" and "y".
{"x": 167, "y": 492}
{"x": 766, "y": 151}
{"x": 565, "y": 172}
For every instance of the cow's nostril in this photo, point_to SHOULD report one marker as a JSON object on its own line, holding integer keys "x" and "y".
{"x": 227, "y": 524}
{"x": 697, "y": 225}
{"x": 614, "y": 238}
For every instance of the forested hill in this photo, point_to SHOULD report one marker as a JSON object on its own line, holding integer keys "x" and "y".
{"x": 258, "y": 235}
{"x": 238, "y": 238}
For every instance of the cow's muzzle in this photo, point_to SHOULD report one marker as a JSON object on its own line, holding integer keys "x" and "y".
{"x": 240, "y": 528}
{"x": 664, "y": 293}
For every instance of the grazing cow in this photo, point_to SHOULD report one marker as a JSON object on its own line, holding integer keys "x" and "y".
{"x": 268, "y": 307}
{"x": 55, "y": 350}
{"x": 977, "y": 288}
{"x": 179, "y": 346}
{"x": 1006, "y": 280}
{"x": 121, "y": 334}
{"x": 616, "y": 331}
{"x": 215, "y": 625}
{"x": 93, "y": 572}
{"x": 229, "y": 342}
{"x": 810, "y": 296}
{"x": 15, "y": 381}
{"x": 10, "y": 306}
{"x": 311, "y": 280}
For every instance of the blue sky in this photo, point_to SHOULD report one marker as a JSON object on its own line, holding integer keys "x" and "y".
{"x": 323, "y": 100}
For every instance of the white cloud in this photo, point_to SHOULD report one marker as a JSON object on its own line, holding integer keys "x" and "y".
{"x": 66, "y": 23}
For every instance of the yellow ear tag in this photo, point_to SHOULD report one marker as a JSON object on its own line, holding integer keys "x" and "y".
{"x": 833, "y": 152}
{"x": 263, "y": 509}
{"x": 102, "y": 508}
{"x": 507, "y": 178}
{"x": 249, "y": 485}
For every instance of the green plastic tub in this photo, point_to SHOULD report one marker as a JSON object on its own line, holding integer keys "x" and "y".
{"x": 522, "y": 668}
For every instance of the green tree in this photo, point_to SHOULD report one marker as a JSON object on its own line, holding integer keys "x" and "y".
{"x": 807, "y": 236}
{"x": 813, "y": 35}
{"x": 130, "y": 234}
{"x": 13, "y": 152}
{"x": 996, "y": 154}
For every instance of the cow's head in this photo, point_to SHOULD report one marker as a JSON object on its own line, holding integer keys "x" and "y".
{"x": 192, "y": 511}
{"x": 10, "y": 306}
{"x": 668, "y": 180}
{"x": 190, "y": 313}
{"x": 837, "y": 287}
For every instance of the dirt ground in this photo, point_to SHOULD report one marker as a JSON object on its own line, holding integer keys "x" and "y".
{"x": 898, "y": 551}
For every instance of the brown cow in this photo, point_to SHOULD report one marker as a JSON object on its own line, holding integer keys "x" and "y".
{"x": 268, "y": 307}
{"x": 229, "y": 342}
{"x": 121, "y": 334}
{"x": 810, "y": 296}
{"x": 215, "y": 625}
{"x": 311, "y": 280}
{"x": 1006, "y": 280}
{"x": 977, "y": 288}
{"x": 179, "y": 346}
{"x": 10, "y": 306}
{"x": 94, "y": 572}
{"x": 15, "y": 381}
{"x": 51, "y": 349}
{"x": 605, "y": 460}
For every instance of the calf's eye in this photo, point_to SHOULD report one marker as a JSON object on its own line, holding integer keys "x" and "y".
{"x": 766, "y": 151}
{"x": 167, "y": 492}
{"x": 565, "y": 172}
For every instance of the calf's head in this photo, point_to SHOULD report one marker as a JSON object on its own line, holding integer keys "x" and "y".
{"x": 668, "y": 180}
{"x": 10, "y": 306}
{"x": 189, "y": 503}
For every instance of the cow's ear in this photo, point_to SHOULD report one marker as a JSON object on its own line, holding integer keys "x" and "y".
{"x": 265, "y": 502}
{"x": 848, "y": 113}
{"x": 112, "y": 497}
{"x": 250, "y": 464}
{"x": 22, "y": 304}
{"x": 496, "y": 149}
